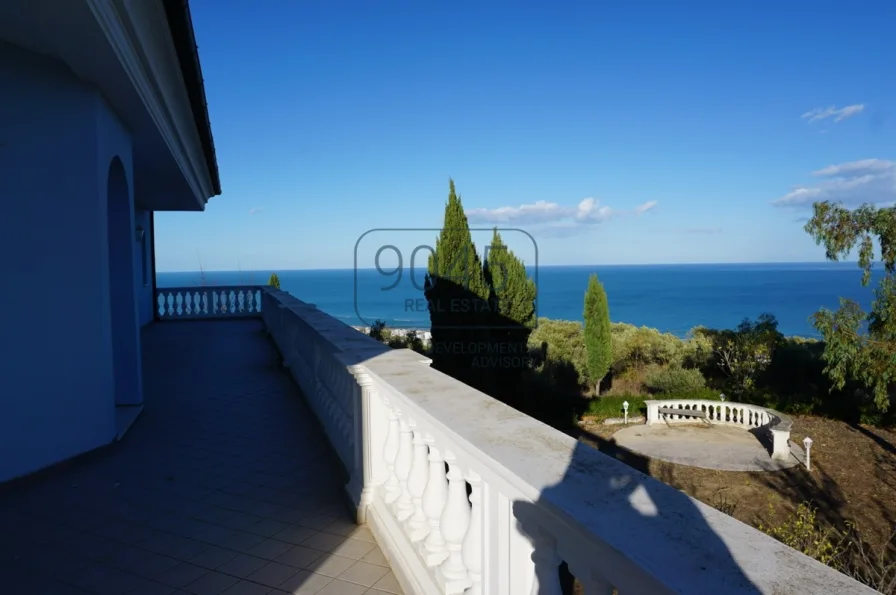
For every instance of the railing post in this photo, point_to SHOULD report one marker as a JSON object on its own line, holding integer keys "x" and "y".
{"x": 473, "y": 551}
{"x": 403, "y": 506}
{"x": 454, "y": 522}
{"x": 434, "y": 497}
{"x": 417, "y": 526}
{"x": 390, "y": 453}
{"x": 362, "y": 483}
{"x": 546, "y": 574}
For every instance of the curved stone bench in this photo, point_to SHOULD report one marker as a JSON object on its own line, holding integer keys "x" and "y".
{"x": 741, "y": 415}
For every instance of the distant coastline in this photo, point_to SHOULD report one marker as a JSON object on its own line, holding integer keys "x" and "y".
{"x": 423, "y": 335}
{"x": 670, "y": 298}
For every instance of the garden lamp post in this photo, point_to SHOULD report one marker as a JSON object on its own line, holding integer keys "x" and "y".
{"x": 722, "y": 396}
{"x": 807, "y": 442}
{"x": 625, "y": 412}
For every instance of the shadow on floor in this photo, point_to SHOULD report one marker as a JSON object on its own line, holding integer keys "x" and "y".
{"x": 225, "y": 484}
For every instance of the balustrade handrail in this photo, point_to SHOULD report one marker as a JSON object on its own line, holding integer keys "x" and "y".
{"x": 776, "y": 418}
{"x": 210, "y": 287}
{"x": 536, "y": 495}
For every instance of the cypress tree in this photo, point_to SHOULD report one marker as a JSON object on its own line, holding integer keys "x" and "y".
{"x": 598, "y": 346}
{"x": 509, "y": 284}
{"x": 274, "y": 281}
{"x": 456, "y": 293}
{"x": 512, "y": 299}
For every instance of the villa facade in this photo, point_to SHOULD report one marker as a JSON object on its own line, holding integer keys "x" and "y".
{"x": 103, "y": 122}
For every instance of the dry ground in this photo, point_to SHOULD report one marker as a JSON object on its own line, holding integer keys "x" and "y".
{"x": 853, "y": 478}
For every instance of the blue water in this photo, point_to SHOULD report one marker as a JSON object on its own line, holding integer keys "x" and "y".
{"x": 672, "y": 298}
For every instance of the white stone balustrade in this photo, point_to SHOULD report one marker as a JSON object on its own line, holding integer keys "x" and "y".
{"x": 467, "y": 495}
{"x": 180, "y": 303}
{"x": 727, "y": 413}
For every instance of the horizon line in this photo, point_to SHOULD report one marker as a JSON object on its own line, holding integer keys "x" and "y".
{"x": 540, "y": 266}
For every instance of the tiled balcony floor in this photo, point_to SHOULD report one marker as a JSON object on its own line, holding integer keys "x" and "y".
{"x": 224, "y": 485}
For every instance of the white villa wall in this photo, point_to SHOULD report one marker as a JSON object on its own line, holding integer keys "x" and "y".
{"x": 57, "y": 382}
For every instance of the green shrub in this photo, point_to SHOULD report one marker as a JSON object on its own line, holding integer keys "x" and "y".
{"x": 638, "y": 346}
{"x": 379, "y": 331}
{"x": 611, "y": 406}
{"x": 674, "y": 379}
{"x": 804, "y": 533}
{"x": 560, "y": 341}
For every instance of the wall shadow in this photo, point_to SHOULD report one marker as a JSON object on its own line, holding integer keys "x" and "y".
{"x": 667, "y": 542}
{"x": 764, "y": 437}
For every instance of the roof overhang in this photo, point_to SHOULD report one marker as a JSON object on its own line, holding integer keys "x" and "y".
{"x": 180, "y": 23}
{"x": 141, "y": 55}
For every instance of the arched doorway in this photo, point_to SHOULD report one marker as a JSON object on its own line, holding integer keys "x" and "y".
{"x": 122, "y": 295}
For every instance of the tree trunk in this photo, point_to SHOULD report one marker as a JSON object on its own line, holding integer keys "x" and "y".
{"x": 597, "y": 388}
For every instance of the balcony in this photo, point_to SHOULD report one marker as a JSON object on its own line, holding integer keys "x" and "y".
{"x": 239, "y": 468}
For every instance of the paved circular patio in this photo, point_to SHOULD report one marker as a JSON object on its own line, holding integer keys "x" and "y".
{"x": 707, "y": 447}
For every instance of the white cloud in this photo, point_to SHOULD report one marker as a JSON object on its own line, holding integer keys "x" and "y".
{"x": 256, "y": 210}
{"x": 589, "y": 210}
{"x": 551, "y": 219}
{"x": 537, "y": 211}
{"x": 647, "y": 206}
{"x": 838, "y": 114}
{"x": 854, "y": 183}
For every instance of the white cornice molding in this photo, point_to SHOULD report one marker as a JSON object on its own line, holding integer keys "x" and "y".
{"x": 138, "y": 32}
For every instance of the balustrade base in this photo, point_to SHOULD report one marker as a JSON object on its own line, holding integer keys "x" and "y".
{"x": 453, "y": 586}
{"x": 413, "y": 577}
{"x": 433, "y": 559}
{"x": 416, "y": 534}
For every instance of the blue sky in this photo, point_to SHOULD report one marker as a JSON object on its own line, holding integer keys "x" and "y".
{"x": 613, "y": 133}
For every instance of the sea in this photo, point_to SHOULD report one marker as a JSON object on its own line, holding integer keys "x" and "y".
{"x": 671, "y": 298}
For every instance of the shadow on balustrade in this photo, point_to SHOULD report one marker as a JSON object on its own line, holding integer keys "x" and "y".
{"x": 606, "y": 522}
{"x": 624, "y": 532}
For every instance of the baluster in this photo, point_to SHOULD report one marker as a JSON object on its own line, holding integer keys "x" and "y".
{"x": 472, "y": 546}
{"x": 390, "y": 452}
{"x": 179, "y": 300}
{"x": 169, "y": 298}
{"x": 241, "y": 301}
{"x": 546, "y": 578}
{"x": 454, "y": 522}
{"x": 403, "y": 507}
{"x": 188, "y": 303}
{"x": 418, "y": 527}
{"x": 205, "y": 303}
{"x": 434, "y": 497}
{"x": 160, "y": 304}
